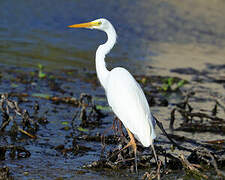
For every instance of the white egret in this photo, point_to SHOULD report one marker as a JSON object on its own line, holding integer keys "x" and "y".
{"x": 124, "y": 94}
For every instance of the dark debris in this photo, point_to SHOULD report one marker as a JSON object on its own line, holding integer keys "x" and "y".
{"x": 89, "y": 115}
{"x": 205, "y": 157}
{"x": 10, "y": 111}
{"x": 5, "y": 173}
{"x": 14, "y": 151}
{"x": 197, "y": 121}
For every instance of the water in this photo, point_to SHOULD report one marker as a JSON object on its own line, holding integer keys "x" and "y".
{"x": 36, "y": 31}
{"x": 154, "y": 37}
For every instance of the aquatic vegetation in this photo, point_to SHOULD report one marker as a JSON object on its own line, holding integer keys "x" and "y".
{"x": 82, "y": 129}
{"x": 171, "y": 84}
{"x": 41, "y": 74}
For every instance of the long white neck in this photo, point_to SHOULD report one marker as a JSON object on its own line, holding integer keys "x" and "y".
{"x": 102, "y": 50}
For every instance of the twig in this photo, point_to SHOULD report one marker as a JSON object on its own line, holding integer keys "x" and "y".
{"x": 219, "y": 173}
{"x": 190, "y": 167}
{"x": 28, "y": 134}
{"x": 158, "y": 169}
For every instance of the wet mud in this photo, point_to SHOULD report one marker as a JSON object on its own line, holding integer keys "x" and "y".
{"x": 55, "y": 125}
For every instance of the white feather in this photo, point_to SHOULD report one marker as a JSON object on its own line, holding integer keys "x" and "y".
{"x": 124, "y": 94}
{"x": 128, "y": 102}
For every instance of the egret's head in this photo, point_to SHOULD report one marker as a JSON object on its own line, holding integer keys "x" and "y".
{"x": 100, "y": 24}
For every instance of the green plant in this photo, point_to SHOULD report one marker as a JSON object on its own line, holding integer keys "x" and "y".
{"x": 171, "y": 84}
{"x": 41, "y": 74}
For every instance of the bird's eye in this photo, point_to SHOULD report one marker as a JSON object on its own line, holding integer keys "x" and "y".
{"x": 99, "y": 23}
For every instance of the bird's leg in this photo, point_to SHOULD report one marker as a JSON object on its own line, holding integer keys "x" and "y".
{"x": 134, "y": 146}
{"x": 114, "y": 126}
{"x": 158, "y": 162}
{"x": 121, "y": 129}
{"x": 154, "y": 153}
{"x": 132, "y": 141}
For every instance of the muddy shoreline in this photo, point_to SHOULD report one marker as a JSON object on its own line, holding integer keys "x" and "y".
{"x": 55, "y": 117}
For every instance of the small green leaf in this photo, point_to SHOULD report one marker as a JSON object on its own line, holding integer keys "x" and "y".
{"x": 103, "y": 108}
{"x": 40, "y": 95}
{"x": 13, "y": 85}
{"x": 25, "y": 173}
{"x": 82, "y": 129}
{"x": 181, "y": 83}
{"x": 70, "y": 73}
{"x": 165, "y": 87}
{"x": 170, "y": 81}
{"x": 41, "y": 74}
{"x": 64, "y": 123}
{"x": 66, "y": 128}
{"x": 96, "y": 98}
{"x": 143, "y": 80}
{"x": 40, "y": 66}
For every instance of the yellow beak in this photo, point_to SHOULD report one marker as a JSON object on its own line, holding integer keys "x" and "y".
{"x": 85, "y": 25}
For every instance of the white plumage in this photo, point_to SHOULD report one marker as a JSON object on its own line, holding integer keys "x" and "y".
{"x": 128, "y": 102}
{"x": 124, "y": 94}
